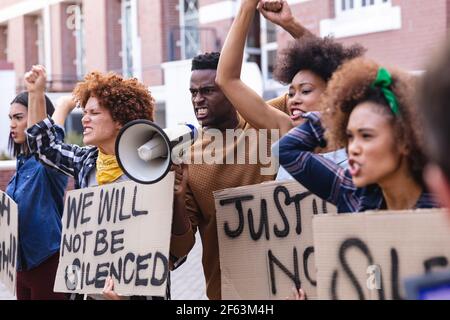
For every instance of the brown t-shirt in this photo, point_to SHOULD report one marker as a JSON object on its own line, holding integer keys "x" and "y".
{"x": 204, "y": 179}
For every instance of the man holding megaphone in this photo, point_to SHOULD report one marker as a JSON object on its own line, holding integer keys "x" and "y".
{"x": 109, "y": 102}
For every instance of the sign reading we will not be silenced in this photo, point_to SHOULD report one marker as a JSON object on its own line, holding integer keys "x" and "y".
{"x": 368, "y": 255}
{"x": 121, "y": 230}
{"x": 9, "y": 222}
{"x": 266, "y": 240}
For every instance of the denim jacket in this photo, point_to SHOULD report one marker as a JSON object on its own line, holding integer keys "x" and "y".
{"x": 38, "y": 191}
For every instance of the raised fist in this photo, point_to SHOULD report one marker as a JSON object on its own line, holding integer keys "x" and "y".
{"x": 35, "y": 79}
{"x": 272, "y": 5}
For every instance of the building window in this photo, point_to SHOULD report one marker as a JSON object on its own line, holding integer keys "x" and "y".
{"x": 131, "y": 42}
{"x": 190, "y": 10}
{"x": 4, "y": 42}
{"x": 269, "y": 47}
{"x": 127, "y": 32}
{"x": 76, "y": 11}
{"x": 189, "y": 22}
{"x": 253, "y": 44}
{"x": 345, "y": 6}
{"x": 40, "y": 42}
{"x": 359, "y": 17}
{"x": 269, "y": 54}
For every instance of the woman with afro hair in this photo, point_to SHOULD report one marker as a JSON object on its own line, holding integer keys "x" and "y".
{"x": 306, "y": 66}
{"x": 370, "y": 111}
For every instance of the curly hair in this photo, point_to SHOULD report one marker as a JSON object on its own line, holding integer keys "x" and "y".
{"x": 351, "y": 85}
{"x": 322, "y": 56}
{"x": 206, "y": 61}
{"x": 126, "y": 99}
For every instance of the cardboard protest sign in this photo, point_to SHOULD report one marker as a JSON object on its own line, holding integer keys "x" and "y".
{"x": 121, "y": 230}
{"x": 367, "y": 255}
{"x": 265, "y": 239}
{"x": 9, "y": 224}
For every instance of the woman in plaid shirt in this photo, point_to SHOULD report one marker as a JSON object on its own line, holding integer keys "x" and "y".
{"x": 108, "y": 102}
{"x": 369, "y": 111}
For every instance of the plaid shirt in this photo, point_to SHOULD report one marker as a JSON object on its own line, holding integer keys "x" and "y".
{"x": 326, "y": 179}
{"x": 72, "y": 160}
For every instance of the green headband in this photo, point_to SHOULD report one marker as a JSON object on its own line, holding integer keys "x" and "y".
{"x": 384, "y": 81}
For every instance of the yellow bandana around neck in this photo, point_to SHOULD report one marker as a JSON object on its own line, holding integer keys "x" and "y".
{"x": 108, "y": 169}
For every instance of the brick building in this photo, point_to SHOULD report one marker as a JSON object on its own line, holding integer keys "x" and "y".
{"x": 141, "y": 38}
{"x": 136, "y": 37}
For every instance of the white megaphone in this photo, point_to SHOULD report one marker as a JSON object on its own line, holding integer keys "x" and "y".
{"x": 145, "y": 152}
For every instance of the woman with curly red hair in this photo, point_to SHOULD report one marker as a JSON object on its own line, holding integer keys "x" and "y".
{"x": 370, "y": 111}
{"x": 108, "y": 102}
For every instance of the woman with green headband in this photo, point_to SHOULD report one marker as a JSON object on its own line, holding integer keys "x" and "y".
{"x": 369, "y": 110}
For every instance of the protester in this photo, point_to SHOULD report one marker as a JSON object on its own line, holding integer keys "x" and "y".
{"x": 370, "y": 111}
{"x": 108, "y": 102}
{"x": 38, "y": 191}
{"x": 216, "y": 115}
{"x": 306, "y": 66}
{"x": 434, "y": 109}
